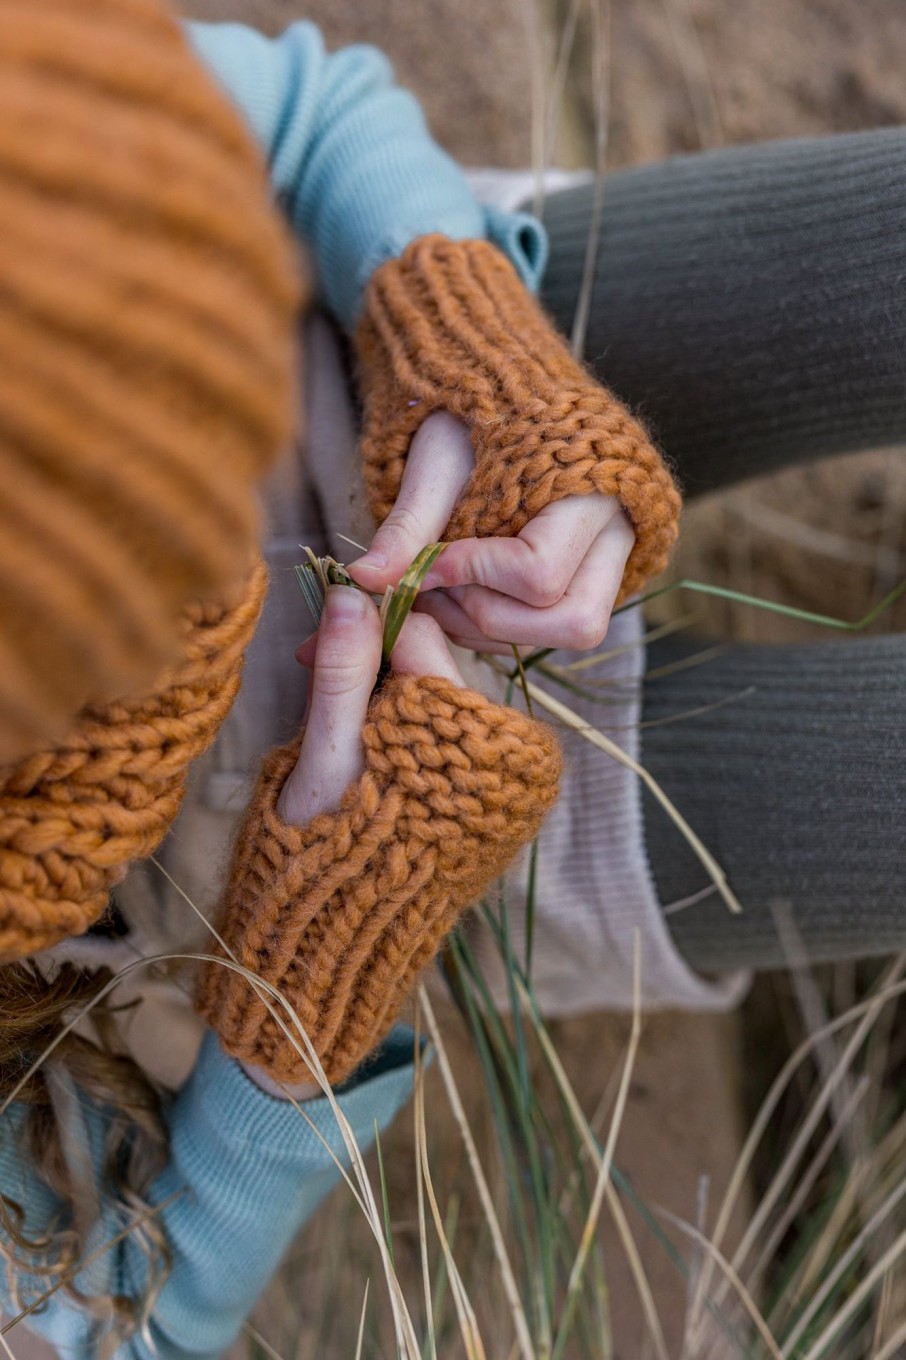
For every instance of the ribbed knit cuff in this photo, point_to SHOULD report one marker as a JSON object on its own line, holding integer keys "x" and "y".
{"x": 450, "y": 326}
{"x": 251, "y": 1119}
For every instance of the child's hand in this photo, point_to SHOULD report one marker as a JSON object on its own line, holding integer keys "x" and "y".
{"x": 363, "y": 843}
{"x": 345, "y": 655}
{"x": 554, "y": 585}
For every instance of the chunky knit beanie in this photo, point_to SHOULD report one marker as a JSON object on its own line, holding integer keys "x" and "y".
{"x": 449, "y": 325}
{"x": 147, "y": 298}
{"x": 342, "y": 915}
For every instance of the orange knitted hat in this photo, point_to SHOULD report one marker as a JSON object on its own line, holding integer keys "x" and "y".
{"x": 147, "y": 300}
{"x": 450, "y": 326}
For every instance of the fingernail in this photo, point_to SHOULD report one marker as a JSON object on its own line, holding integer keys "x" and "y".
{"x": 432, "y": 581}
{"x": 345, "y": 604}
{"x": 372, "y": 561}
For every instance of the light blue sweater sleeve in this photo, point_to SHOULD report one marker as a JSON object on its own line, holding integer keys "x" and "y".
{"x": 245, "y": 1172}
{"x": 351, "y": 158}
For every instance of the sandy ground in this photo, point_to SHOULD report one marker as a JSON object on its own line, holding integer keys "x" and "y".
{"x": 465, "y": 60}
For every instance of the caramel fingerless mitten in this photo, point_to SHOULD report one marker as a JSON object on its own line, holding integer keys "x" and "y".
{"x": 449, "y": 325}
{"x": 72, "y": 816}
{"x": 341, "y": 915}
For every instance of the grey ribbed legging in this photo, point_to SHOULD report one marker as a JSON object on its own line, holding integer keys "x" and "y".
{"x": 749, "y": 304}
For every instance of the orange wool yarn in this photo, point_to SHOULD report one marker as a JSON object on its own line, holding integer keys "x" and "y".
{"x": 73, "y": 816}
{"x": 342, "y": 915}
{"x": 449, "y": 325}
{"x": 148, "y": 295}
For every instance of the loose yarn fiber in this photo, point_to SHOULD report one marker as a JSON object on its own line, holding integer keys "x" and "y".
{"x": 450, "y": 325}
{"x": 148, "y": 293}
{"x": 342, "y": 915}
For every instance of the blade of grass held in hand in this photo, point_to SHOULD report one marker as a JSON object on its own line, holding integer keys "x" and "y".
{"x": 398, "y": 602}
{"x": 317, "y": 573}
{"x": 312, "y": 589}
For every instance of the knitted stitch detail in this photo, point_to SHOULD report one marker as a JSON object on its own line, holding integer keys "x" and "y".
{"x": 73, "y": 816}
{"x": 343, "y": 914}
{"x": 449, "y": 325}
{"x": 149, "y": 295}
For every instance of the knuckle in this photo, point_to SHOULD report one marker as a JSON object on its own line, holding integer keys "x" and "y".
{"x": 543, "y": 582}
{"x": 586, "y": 630}
{"x": 544, "y": 589}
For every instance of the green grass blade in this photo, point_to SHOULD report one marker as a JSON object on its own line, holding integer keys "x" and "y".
{"x": 315, "y": 575}
{"x": 788, "y": 611}
{"x": 491, "y": 1047}
{"x": 385, "y": 1200}
{"x": 398, "y": 603}
{"x": 312, "y": 589}
{"x": 526, "y": 663}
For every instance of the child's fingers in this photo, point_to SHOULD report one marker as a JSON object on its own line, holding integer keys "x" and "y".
{"x": 307, "y": 650}
{"x": 438, "y": 466}
{"x": 421, "y": 649}
{"x": 346, "y": 664}
{"x": 538, "y": 565}
{"x": 580, "y": 618}
{"x": 457, "y": 625}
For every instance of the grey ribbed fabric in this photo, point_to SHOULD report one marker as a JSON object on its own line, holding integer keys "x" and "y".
{"x": 749, "y": 304}
{"x": 797, "y": 785}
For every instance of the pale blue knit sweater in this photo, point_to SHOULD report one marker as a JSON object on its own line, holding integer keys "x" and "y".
{"x": 351, "y": 158}
{"x": 359, "y": 177}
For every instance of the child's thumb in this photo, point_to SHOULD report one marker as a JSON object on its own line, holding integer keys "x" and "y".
{"x": 346, "y": 665}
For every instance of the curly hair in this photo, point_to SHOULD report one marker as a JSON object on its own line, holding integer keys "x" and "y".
{"x": 39, "y": 1013}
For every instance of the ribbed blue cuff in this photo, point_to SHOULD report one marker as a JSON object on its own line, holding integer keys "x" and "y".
{"x": 222, "y": 1094}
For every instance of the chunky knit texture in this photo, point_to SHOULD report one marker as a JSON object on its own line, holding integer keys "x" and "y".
{"x": 342, "y": 915}
{"x": 147, "y": 299}
{"x": 73, "y": 816}
{"x": 450, "y": 325}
